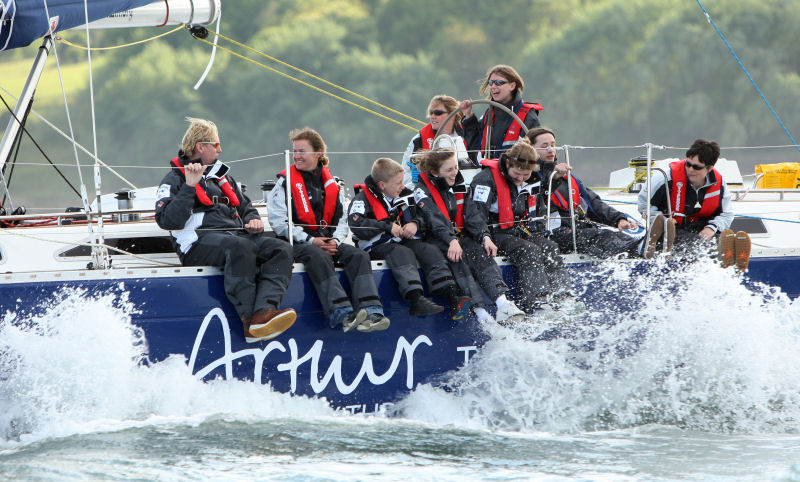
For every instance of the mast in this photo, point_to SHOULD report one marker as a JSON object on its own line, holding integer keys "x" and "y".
{"x": 26, "y": 97}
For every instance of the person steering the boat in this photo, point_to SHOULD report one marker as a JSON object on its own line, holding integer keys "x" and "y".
{"x": 701, "y": 206}
{"x": 439, "y": 196}
{"x": 385, "y": 224}
{"x": 499, "y": 213}
{"x": 590, "y": 211}
{"x": 450, "y": 135}
{"x": 213, "y": 223}
{"x": 494, "y": 132}
{"x": 318, "y": 233}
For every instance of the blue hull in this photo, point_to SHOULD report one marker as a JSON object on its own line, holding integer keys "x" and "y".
{"x": 361, "y": 372}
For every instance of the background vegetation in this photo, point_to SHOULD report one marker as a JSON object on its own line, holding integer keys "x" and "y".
{"x": 608, "y": 72}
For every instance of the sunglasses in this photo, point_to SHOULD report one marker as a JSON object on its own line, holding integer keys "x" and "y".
{"x": 438, "y": 112}
{"x": 215, "y": 144}
{"x": 696, "y": 167}
{"x": 498, "y": 82}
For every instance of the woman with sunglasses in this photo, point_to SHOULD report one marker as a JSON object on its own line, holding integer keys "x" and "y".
{"x": 494, "y": 132}
{"x": 700, "y": 202}
{"x": 452, "y": 133}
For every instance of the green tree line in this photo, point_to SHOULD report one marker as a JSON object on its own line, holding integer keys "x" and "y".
{"x": 608, "y": 73}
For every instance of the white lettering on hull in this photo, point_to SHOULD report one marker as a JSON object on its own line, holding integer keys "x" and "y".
{"x": 403, "y": 349}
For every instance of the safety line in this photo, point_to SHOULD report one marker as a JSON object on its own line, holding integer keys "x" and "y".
{"x": 346, "y": 101}
{"x": 775, "y": 114}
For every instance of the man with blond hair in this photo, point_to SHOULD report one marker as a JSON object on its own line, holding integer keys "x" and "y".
{"x": 214, "y": 224}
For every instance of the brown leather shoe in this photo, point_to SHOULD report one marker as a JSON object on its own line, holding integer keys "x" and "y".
{"x": 266, "y": 325}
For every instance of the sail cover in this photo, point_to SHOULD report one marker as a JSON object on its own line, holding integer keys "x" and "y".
{"x": 23, "y": 21}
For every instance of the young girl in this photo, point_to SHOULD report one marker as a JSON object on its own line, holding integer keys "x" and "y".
{"x": 439, "y": 196}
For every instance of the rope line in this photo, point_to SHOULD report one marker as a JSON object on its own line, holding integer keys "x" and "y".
{"x": 114, "y": 47}
{"x": 323, "y": 91}
{"x": 297, "y": 69}
{"x": 752, "y": 81}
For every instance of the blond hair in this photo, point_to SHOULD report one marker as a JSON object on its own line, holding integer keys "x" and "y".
{"x": 313, "y": 138}
{"x": 200, "y": 130}
{"x": 449, "y": 103}
{"x": 384, "y": 169}
{"x": 430, "y": 161}
{"x": 505, "y": 71}
{"x": 522, "y": 155}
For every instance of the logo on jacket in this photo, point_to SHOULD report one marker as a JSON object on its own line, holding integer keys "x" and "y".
{"x": 299, "y": 187}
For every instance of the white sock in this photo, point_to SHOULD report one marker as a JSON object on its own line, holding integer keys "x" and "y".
{"x": 482, "y": 314}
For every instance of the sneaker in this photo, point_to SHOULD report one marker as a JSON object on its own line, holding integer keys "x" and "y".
{"x": 725, "y": 245}
{"x": 656, "y": 230}
{"x": 741, "y": 246}
{"x": 507, "y": 312}
{"x": 354, "y": 319}
{"x": 424, "y": 306}
{"x": 374, "y": 322}
{"x": 459, "y": 307}
{"x": 268, "y": 324}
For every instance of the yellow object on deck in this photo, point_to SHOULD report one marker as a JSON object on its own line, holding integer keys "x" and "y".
{"x": 781, "y": 175}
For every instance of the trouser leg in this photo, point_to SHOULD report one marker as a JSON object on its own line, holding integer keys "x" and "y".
{"x": 554, "y": 265}
{"x": 275, "y": 261}
{"x": 401, "y": 260}
{"x": 358, "y": 269}
{"x": 236, "y": 255}
{"x": 530, "y": 266}
{"x": 320, "y": 270}
{"x": 484, "y": 268}
{"x": 437, "y": 273}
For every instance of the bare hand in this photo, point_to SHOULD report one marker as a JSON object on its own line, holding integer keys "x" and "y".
{"x": 489, "y": 246}
{"x": 466, "y": 107}
{"x": 410, "y": 230}
{"x": 397, "y": 231}
{"x": 194, "y": 172}
{"x": 254, "y": 226}
{"x": 454, "y": 251}
{"x": 707, "y": 233}
{"x": 562, "y": 169}
{"x": 624, "y": 224}
{"x": 326, "y": 244}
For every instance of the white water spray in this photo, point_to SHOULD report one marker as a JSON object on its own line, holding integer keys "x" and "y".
{"x": 79, "y": 368}
{"x": 692, "y": 348}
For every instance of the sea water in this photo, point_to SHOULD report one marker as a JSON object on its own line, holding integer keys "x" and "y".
{"x": 699, "y": 379}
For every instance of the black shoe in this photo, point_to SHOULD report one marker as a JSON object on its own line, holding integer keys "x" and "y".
{"x": 423, "y": 306}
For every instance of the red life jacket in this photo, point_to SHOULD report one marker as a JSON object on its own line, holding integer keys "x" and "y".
{"x": 558, "y": 200}
{"x": 201, "y": 194}
{"x": 303, "y": 206}
{"x": 512, "y": 134}
{"x": 504, "y": 209}
{"x": 677, "y": 194}
{"x": 377, "y": 205}
{"x": 427, "y": 136}
{"x": 437, "y": 198}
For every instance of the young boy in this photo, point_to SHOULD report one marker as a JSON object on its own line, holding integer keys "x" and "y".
{"x": 383, "y": 224}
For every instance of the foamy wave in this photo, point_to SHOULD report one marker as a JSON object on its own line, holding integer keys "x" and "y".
{"x": 80, "y": 367}
{"x": 692, "y": 347}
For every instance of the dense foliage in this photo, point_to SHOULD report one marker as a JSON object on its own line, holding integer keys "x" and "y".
{"x": 609, "y": 73}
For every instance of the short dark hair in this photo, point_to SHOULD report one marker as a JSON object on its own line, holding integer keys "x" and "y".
{"x": 532, "y": 134}
{"x": 706, "y": 151}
